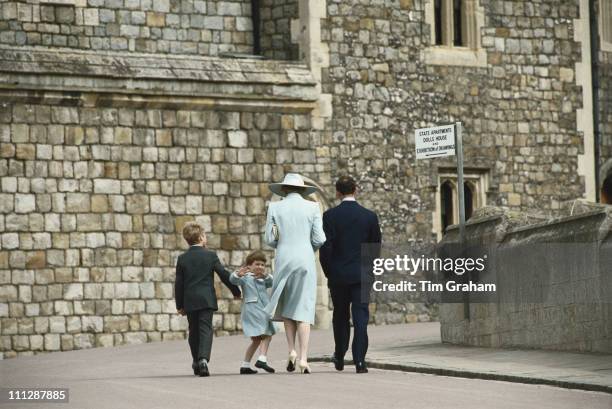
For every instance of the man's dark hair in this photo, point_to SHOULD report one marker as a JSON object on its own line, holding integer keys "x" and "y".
{"x": 346, "y": 185}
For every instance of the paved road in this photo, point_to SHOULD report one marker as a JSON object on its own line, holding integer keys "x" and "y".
{"x": 158, "y": 375}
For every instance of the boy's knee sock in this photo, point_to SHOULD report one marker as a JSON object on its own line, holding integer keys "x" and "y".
{"x": 262, "y": 358}
{"x": 245, "y": 364}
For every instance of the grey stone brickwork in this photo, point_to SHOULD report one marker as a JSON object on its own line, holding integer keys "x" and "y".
{"x": 93, "y": 202}
{"x": 156, "y": 26}
{"x": 556, "y": 300}
{"x": 94, "y": 191}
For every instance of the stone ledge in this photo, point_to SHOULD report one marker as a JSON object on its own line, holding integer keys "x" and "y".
{"x": 253, "y": 83}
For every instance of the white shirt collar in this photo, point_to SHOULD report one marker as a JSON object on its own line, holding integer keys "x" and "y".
{"x": 349, "y": 199}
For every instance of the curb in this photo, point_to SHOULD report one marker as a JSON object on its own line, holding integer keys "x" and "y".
{"x": 476, "y": 375}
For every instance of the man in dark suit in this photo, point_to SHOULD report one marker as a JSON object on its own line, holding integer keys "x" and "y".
{"x": 195, "y": 293}
{"x": 353, "y": 240}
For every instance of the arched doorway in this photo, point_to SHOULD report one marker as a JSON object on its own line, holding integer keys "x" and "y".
{"x": 323, "y": 312}
{"x": 605, "y": 191}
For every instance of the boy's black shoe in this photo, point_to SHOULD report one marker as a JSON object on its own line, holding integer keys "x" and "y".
{"x": 247, "y": 371}
{"x": 338, "y": 362}
{"x": 203, "y": 368}
{"x": 264, "y": 365}
{"x": 361, "y": 367}
{"x": 195, "y": 366}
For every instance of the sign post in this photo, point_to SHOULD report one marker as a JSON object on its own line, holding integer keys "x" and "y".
{"x": 460, "y": 185}
{"x": 439, "y": 141}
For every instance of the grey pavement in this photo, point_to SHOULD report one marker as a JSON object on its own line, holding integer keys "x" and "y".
{"x": 418, "y": 348}
{"x": 158, "y": 375}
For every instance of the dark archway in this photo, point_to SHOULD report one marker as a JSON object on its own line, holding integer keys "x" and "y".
{"x": 606, "y": 190}
{"x": 468, "y": 191}
{"x": 447, "y": 208}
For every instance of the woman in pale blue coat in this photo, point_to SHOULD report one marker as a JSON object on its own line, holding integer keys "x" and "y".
{"x": 294, "y": 228}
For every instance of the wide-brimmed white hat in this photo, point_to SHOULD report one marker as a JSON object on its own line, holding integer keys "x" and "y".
{"x": 291, "y": 179}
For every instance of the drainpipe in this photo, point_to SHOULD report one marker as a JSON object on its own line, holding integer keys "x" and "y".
{"x": 594, "y": 25}
{"x": 256, "y": 18}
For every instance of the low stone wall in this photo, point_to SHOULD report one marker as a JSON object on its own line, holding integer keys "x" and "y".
{"x": 559, "y": 297}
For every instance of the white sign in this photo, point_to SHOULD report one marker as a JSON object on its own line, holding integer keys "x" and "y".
{"x": 435, "y": 142}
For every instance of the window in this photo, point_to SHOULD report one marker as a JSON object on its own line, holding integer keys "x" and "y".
{"x": 475, "y": 187}
{"x": 458, "y": 13}
{"x": 605, "y": 24}
{"x": 451, "y": 23}
{"x": 438, "y": 22}
{"x": 455, "y": 32}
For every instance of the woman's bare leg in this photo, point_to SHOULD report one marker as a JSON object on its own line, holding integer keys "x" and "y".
{"x": 303, "y": 333}
{"x": 290, "y": 330}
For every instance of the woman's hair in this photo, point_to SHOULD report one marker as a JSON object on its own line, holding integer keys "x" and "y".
{"x": 255, "y": 256}
{"x": 192, "y": 233}
{"x": 293, "y": 189}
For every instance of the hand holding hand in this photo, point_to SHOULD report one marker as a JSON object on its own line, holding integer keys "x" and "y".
{"x": 181, "y": 311}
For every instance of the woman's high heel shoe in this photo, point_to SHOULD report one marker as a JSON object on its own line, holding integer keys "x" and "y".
{"x": 291, "y": 361}
{"x": 303, "y": 366}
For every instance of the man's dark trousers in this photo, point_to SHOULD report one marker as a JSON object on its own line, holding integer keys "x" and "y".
{"x": 350, "y": 300}
{"x": 200, "y": 333}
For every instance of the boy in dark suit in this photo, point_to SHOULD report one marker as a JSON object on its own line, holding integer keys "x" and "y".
{"x": 353, "y": 239}
{"x": 195, "y": 293}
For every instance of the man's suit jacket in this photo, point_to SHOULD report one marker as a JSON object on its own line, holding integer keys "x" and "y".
{"x": 194, "y": 288}
{"x": 348, "y": 226}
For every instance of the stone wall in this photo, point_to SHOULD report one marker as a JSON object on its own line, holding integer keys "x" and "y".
{"x": 518, "y": 110}
{"x": 554, "y": 299}
{"x": 93, "y": 202}
{"x": 155, "y": 26}
{"x": 95, "y": 191}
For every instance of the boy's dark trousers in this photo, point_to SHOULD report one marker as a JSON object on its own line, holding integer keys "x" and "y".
{"x": 200, "y": 333}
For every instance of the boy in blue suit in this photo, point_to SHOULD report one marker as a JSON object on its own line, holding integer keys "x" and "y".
{"x": 254, "y": 281}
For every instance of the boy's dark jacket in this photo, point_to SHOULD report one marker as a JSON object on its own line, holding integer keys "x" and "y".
{"x": 194, "y": 288}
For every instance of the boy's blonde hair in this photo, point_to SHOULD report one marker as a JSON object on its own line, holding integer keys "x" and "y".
{"x": 193, "y": 233}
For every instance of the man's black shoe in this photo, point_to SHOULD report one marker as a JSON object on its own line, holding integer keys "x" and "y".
{"x": 247, "y": 371}
{"x": 361, "y": 367}
{"x": 203, "y": 368}
{"x": 338, "y": 362}
{"x": 264, "y": 365}
{"x": 194, "y": 366}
